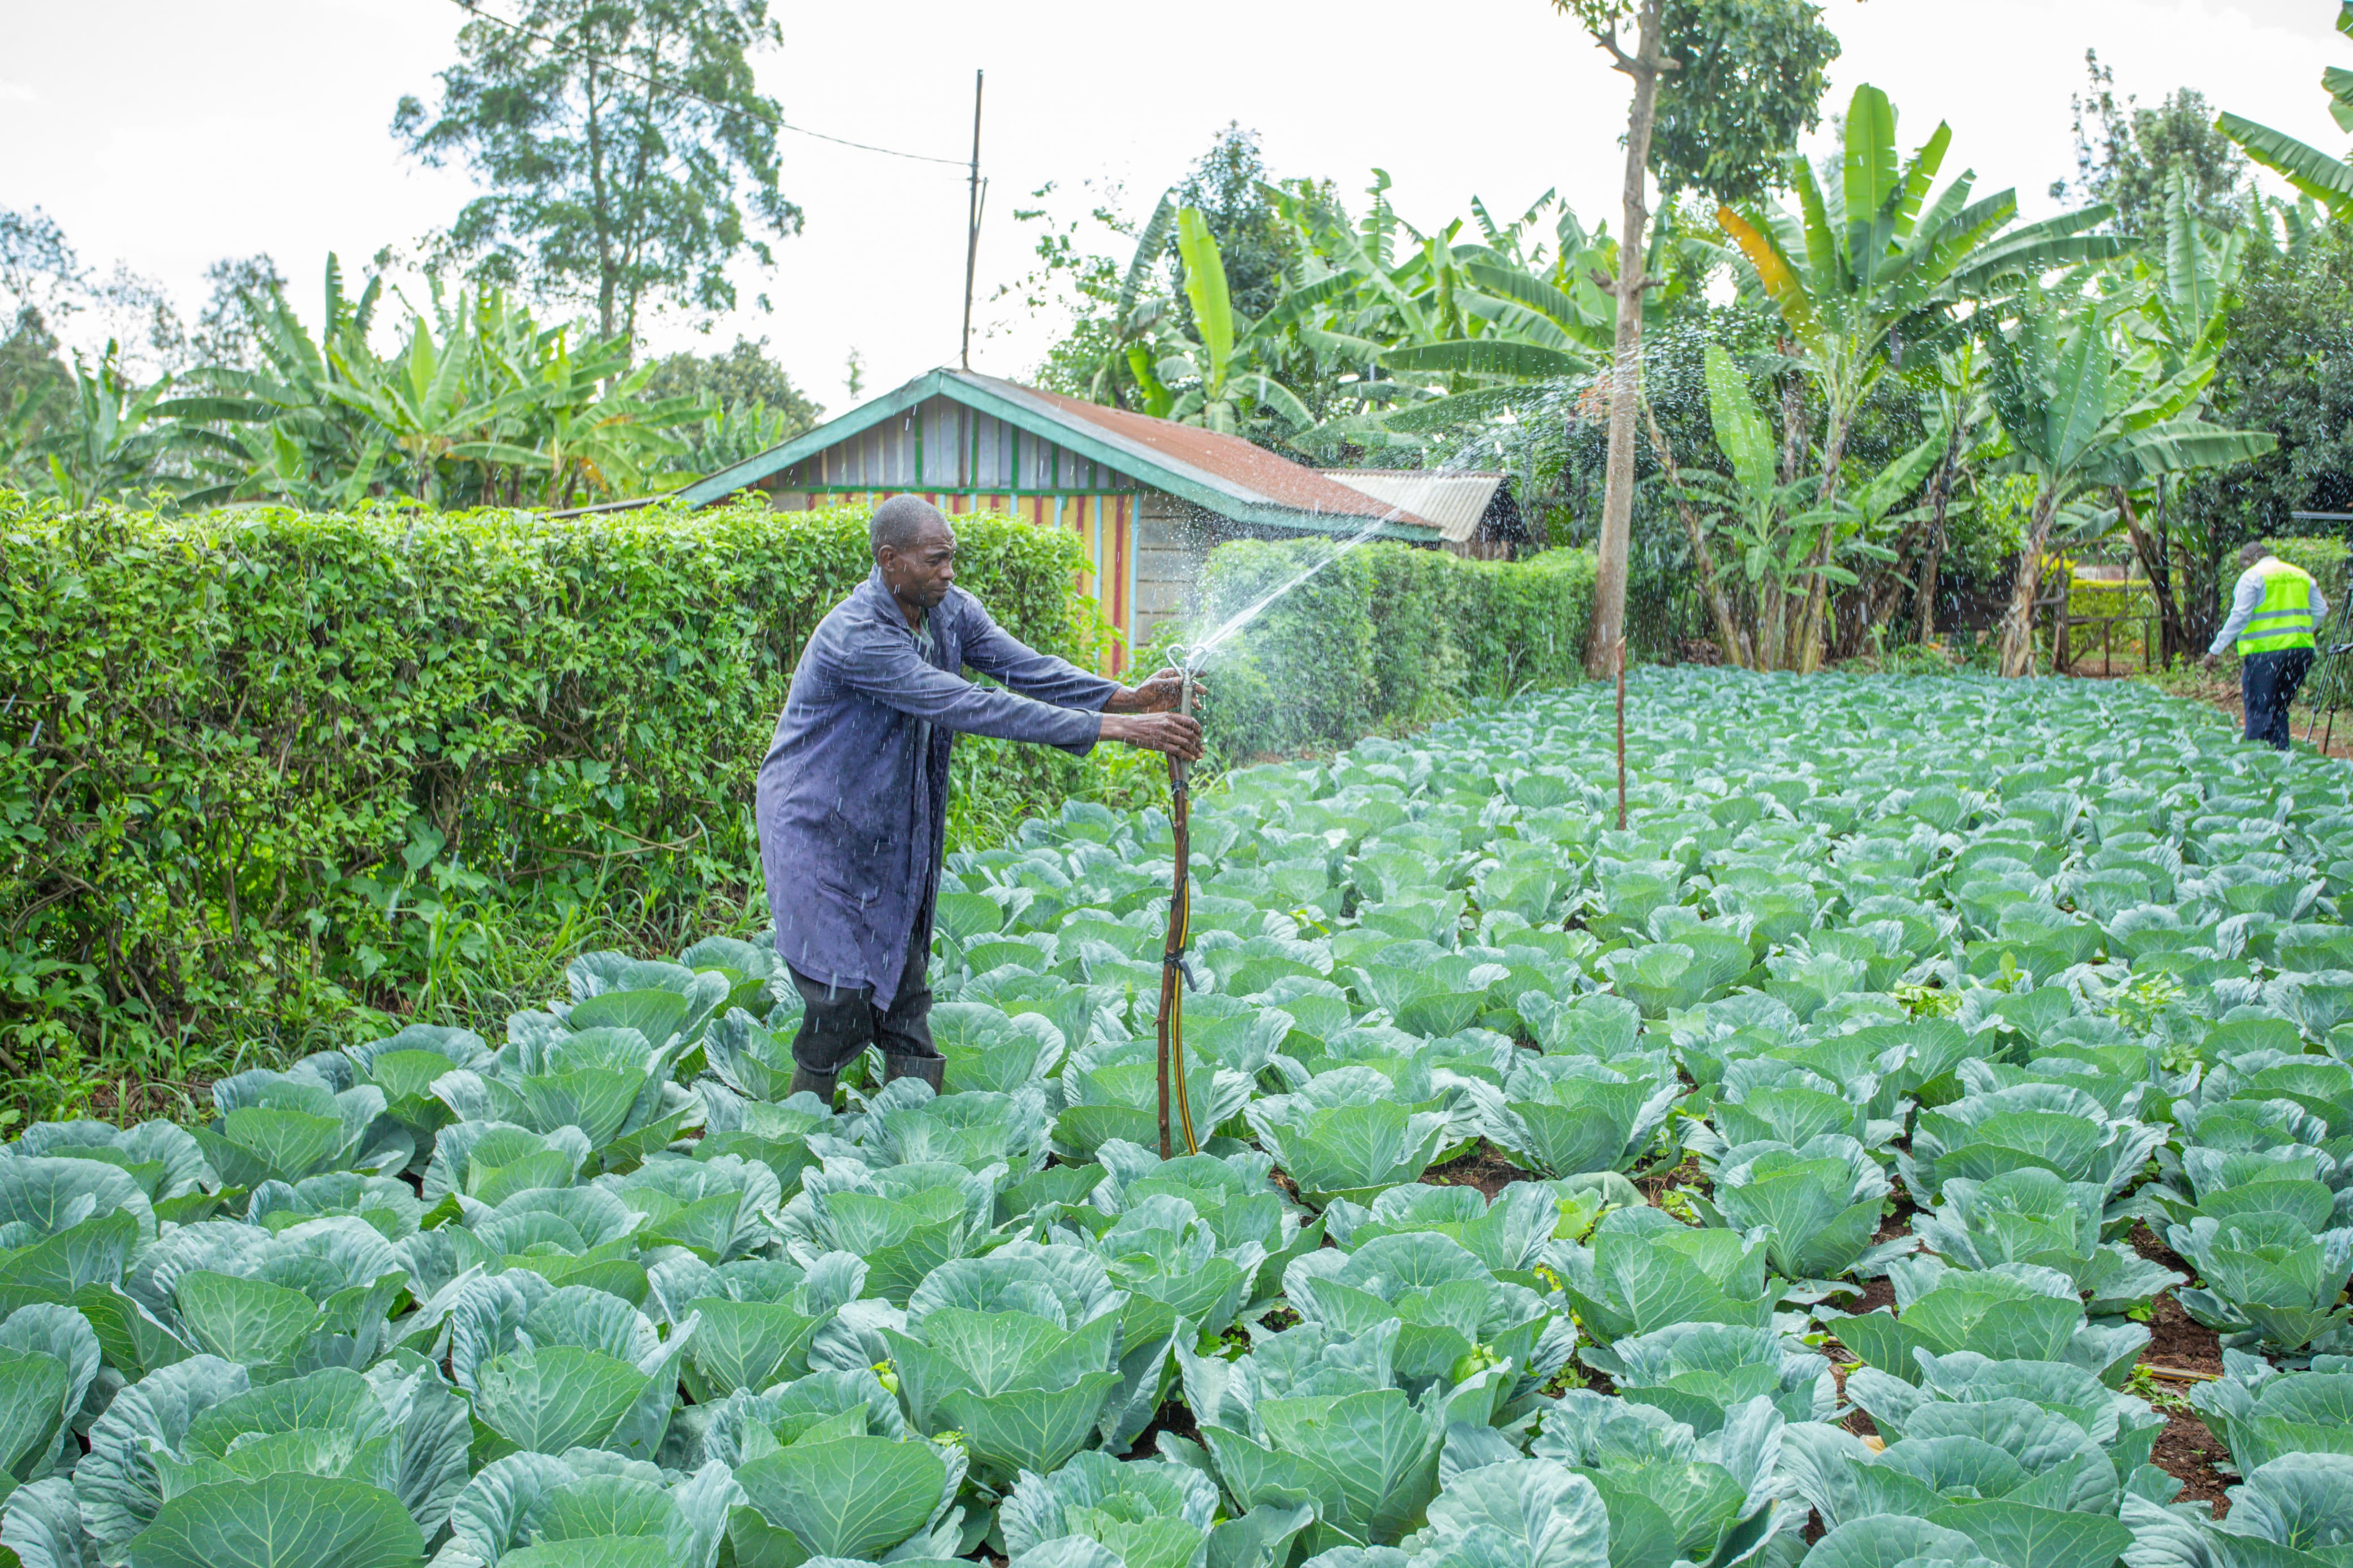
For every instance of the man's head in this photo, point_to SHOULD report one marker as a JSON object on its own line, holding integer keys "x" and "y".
{"x": 916, "y": 549}
{"x": 2251, "y": 553}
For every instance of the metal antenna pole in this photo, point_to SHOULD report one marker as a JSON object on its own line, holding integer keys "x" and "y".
{"x": 971, "y": 225}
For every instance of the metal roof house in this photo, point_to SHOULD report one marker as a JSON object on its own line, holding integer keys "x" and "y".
{"x": 1146, "y": 498}
{"x": 1471, "y": 508}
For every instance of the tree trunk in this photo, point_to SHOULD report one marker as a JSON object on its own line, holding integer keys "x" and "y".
{"x": 2018, "y": 624}
{"x": 1809, "y": 650}
{"x": 2160, "y": 586}
{"x": 1616, "y": 542}
{"x": 1735, "y": 647}
{"x": 1926, "y": 595}
{"x": 1927, "y": 592}
{"x": 1797, "y": 422}
{"x": 1890, "y": 582}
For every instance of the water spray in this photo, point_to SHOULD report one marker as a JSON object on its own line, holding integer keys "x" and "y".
{"x": 1174, "y": 976}
{"x": 1175, "y": 971}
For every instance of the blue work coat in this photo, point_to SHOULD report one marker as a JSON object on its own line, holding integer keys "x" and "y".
{"x": 852, "y": 820}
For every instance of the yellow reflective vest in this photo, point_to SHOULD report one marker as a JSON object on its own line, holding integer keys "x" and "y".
{"x": 2284, "y": 619}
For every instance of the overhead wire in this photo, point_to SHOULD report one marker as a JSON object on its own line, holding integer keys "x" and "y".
{"x": 476, "y": 10}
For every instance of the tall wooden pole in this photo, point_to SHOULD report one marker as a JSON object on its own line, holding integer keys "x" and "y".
{"x": 971, "y": 225}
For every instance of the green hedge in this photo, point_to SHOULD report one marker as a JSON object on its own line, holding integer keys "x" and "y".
{"x": 2324, "y": 558}
{"x": 1385, "y": 638}
{"x": 258, "y": 768}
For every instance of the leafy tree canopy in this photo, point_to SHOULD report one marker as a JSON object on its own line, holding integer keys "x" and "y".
{"x": 2287, "y": 367}
{"x": 1751, "y": 82}
{"x": 627, "y": 156}
{"x": 1228, "y": 186}
{"x": 1747, "y": 81}
{"x": 2126, "y": 155}
{"x": 743, "y": 376}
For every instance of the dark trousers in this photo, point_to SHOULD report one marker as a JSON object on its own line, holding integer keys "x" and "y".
{"x": 841, "y": 1021}
{"x": 2267, "y": 684}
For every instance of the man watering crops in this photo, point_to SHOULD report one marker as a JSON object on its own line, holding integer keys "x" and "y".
{"x": 853, "y": 794}
{"x": 2273, "y": 611}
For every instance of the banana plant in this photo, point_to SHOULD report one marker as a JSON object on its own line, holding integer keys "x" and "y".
{"x": 1876, "y": 258}
{"x": 279, "y": 433}
{"x": 2083, "y": 409}
{"x": 2314, "y": 174}
{"x": 1137, "y": 310}
{"x": 112, "y": 438}
{"x": 2187, "y": 293}
{"x": 428, "y": 404}
{"x": 1955, "y": 404}
{"x": 1772, "y": 534}
{"x": 1211, "y": 380}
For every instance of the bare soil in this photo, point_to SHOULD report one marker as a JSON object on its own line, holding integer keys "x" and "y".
{"x": 2187, "y": 1448}
{"x": 1175, "y": 1417}
{"x": 1686, "y": 1174}
{"x": 1482, "y": 1168}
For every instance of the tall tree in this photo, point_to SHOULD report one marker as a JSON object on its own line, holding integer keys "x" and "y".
{"x": 1228, "y": 186}
{"x": 2126, "y": 157}
{"x": 1724, "y": 88}
{"x": 628, "y": 154}
{"x": 2287, "y": 367}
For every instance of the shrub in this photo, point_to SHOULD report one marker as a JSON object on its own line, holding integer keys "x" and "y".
{"x": 2324, "y": 558}
{"x": 258, "y": 768}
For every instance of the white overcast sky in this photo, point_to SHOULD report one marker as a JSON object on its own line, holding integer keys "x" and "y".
{"x": 167, "y": 134}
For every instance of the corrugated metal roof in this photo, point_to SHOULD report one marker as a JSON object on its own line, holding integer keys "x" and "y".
{"x": 1243, "y": 464}
{"x": 1452, "y": 501}
{"x": 1222, "y": 474}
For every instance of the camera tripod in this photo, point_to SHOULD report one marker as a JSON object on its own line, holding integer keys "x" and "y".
{"x": 2331, "y": 679}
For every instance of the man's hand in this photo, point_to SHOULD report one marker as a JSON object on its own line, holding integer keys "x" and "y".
{"x": 1157, "y": 695}
{"x": 2210, "y": 661}
{"x": 1176, "y": 734}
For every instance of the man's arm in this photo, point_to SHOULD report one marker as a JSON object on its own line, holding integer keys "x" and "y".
{"x": 2243, "y": 602}
{"x": 1002, "y": 657}
{"x": 887, "y": 668}
{"x": 2319, "y": 610}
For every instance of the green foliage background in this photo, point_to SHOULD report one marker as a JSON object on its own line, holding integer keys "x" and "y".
{"x": 1383, "y": 638}
{"x": 264, "y": 770}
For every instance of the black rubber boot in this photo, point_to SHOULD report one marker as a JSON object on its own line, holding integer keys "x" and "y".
{"x": 817, "y": 1083}
{"x": 933, "y": 1070}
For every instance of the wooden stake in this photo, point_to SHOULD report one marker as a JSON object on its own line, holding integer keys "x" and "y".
{"x": 1621, "y": 734}
{"x": 1170, "y": 1024}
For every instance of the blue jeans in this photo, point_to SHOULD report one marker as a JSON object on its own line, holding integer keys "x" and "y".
{"x": 2267, "y": 684}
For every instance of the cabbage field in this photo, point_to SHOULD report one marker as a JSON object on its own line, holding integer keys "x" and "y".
{"x": 1821, "y": 1108}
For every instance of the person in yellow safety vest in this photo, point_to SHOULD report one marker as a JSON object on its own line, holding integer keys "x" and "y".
{"x": 2273, "y": 612}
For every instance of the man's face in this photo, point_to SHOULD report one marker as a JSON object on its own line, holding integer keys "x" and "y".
{"x": 922, "y": 574}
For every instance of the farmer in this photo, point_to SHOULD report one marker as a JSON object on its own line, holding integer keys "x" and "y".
{"x": 853, "y": 793}
{"x": 2273, "y": 612}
